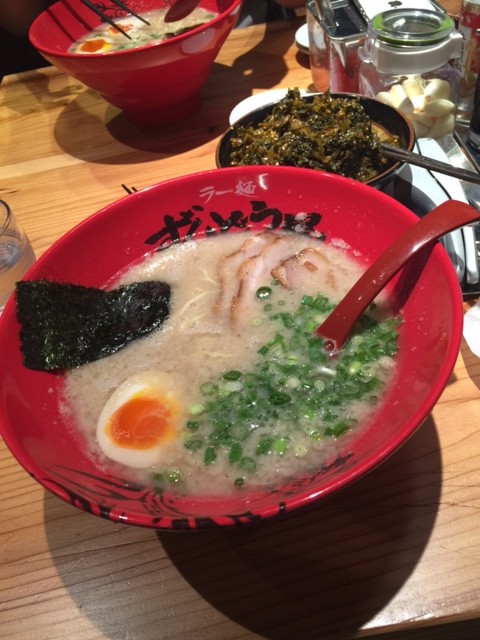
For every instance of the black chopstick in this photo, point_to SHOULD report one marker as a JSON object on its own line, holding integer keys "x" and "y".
{"x": 128, "y": 10}
{"x": 129, "y": 190}
{"x": 104, "y": 17}
{"x": 122, "y": 6}
{"x": 403, "y": 155}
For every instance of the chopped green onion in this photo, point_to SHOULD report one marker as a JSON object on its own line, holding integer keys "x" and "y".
{"x": 210, "y": 456}
{"x": 263, "y": 293}
{"x": 174, "y": 476}
{"x": 193, "y": 444}
{"x": 280, "y": 398}
{"x": 207, "y": 388}
{"x": 280, "y": 446}
{"x": 294, "y": 396}
{"x": 196, "y": 409}
{"x": 264, "y": 446}
{"x": 235, "y": 454}
{"x": 232, "y": 375}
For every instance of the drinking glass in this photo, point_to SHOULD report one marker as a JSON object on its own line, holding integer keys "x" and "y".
{"x": 16, "y": 253}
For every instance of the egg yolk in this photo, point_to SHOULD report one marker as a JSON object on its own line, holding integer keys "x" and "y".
{"x": 97, "y": 44}
{"x": 141, "y": 423}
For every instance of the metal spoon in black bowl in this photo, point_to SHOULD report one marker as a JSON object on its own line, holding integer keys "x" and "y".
{"x": 448, "y": 216}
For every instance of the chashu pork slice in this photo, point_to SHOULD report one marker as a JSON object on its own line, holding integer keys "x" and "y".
{"x": 228, "y": 268}
{"x": 309, "y": 270}
{"x": 255, "y": 272}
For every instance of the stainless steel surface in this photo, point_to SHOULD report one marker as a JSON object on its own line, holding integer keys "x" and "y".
{"x": 460, "y": 136}
{"x": 421, "y": 192}
{"x": 340, "y": 19}
{"x": 462, "y": 155}
{"x": 455, "y": 189}
{"x": 422, "y": 189}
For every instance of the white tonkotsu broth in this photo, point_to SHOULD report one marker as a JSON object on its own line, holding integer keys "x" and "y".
{"x": 198, "y": 342}
{"x": 106, "y": 38}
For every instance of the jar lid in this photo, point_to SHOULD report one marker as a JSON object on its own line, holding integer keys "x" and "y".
{"x": 404, "y": 41}
{"x": 412, "y": 27}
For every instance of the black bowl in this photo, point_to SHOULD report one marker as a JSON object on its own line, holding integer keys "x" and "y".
{"x": 381, "y": 114}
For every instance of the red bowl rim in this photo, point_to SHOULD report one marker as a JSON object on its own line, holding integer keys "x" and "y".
{"x": 47, "y": 50}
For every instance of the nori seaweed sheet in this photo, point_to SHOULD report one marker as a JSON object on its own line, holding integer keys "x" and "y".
{"x": 67, "y": 325}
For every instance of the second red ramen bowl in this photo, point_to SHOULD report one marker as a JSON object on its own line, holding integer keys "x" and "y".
{"x": 357, "y": 219}
{"x": 153, "y": 85}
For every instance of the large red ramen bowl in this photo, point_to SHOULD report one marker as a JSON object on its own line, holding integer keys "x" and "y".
{"x": 360, "y": 219}
{"x": 153, "y": 85}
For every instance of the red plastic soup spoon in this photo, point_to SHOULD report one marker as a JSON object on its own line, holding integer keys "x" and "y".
{"x": 448, "y": 216}
{"x": 180, "y": 9}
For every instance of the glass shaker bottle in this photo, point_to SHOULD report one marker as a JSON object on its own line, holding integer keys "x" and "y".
{"x": 318, "y": 46}
{"x": 408, "y": 61}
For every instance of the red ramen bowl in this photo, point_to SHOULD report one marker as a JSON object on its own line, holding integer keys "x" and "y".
{"x": 153, "y": 85}
{"x": 356, "y": 218}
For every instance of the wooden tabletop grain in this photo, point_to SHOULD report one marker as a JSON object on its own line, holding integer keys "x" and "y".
{"x": 397, "y": 555}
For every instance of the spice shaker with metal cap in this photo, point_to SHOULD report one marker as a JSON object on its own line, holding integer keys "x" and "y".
{"x": 335, "y": 30}
{"x": 408, "y": 61}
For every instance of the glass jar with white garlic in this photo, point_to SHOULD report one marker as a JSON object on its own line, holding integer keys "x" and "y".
{"x": 408, "y": 61}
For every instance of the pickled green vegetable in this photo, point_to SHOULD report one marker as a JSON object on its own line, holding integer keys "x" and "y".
{"x": 329, "y": 134}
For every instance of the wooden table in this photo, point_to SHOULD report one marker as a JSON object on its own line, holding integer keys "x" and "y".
{"x": 396, "y": 554}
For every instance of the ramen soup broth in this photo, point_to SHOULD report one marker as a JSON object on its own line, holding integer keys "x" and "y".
{"x": 199, "y": 342}
{"x": 105, "y": 38}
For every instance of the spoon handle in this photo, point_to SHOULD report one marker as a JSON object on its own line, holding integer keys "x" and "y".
{"x": 180, "y": 9}
{"x": 448, "y": 216}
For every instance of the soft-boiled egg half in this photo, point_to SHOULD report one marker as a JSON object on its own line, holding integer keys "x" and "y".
{"x": 100, "y": 43}
{"x": 95, "y": 45}
{"x": 141, "y": 420}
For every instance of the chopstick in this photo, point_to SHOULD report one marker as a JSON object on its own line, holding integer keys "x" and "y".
{"x": 129, "y": 190}
{"x": 104, "y": 17}
{"x": 428, "y": 163}
{"x": 130, "y": 11}
{"x": 111, "y": 22}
